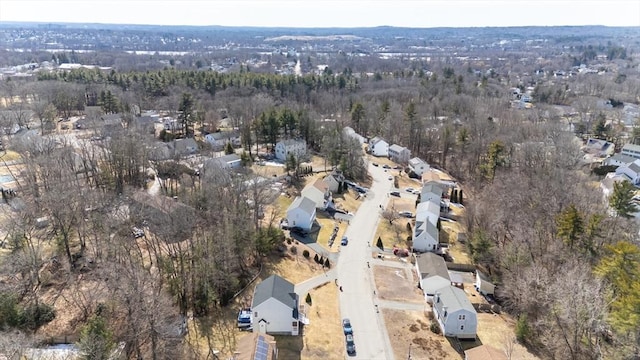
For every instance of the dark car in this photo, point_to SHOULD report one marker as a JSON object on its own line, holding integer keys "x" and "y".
{"x": 346, "y": 326}
{"x": 395, "y": 193}
{"x": 386, "y": 166}
{"x": 344, "y": 241}
{"x": 374, "y": 164}
{"x": 351, "y": 345}
{"x": 298, "y": 231}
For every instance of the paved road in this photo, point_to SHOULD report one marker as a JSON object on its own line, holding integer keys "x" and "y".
{"x": 357, "y": 301}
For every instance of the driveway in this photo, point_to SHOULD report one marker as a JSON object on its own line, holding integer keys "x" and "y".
{"x": 357, "y": 300}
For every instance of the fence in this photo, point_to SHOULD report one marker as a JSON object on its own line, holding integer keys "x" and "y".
{"x": 461, "y": 267}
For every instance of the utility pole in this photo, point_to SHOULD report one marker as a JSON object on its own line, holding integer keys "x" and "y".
{"x": 409, "y": 355}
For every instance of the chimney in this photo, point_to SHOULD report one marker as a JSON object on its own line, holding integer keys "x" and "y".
{"x": 437, "y": 297}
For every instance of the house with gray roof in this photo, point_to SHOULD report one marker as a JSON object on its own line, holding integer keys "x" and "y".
{"x": 432, "y": 191}
{"x": 631, "y": 172}
{"x": 399, "y": 154}
{"x": 432, "y": 274}
{"x": 185, "y": 146}
{"x": 290, "y": 146}
{"x": 275, "y": 307}
{"x": 619, "y": 160}
{"x": 378, "y": 147}
{"x": 418, "y": 166}
{"x": 301, "y": 213}
{"x": 454, "y": 313}
{"x": 230, "y": 161}
{"x": 219, "y": 140}
{"x": 599, "y": 147}
{"x": 425, "y": 236}
{"x": 631, "y": 150}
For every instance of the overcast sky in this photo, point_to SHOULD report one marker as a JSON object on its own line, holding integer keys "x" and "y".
{"x": 328, "y": 13}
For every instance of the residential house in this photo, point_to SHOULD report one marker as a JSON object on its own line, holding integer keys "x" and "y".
{"x": 163, "y": 215}
{"x": 425, "y": 236}
{"x": 429, "y": 210}
{"x": 172, "y": 124}
{"x": 454, "y": 313}
{"x": 484, "y": 352}
{"x": 631, "y": 150}
{"x": 483, "y": 284}
{"x": 606, "y": 185}
{"x": 399, "y": 154}
{"x": 418, "y": 166}
{"x": 301, "y": 213}
{"x": 219, "y": 140}
{"x": 231, "y": 161}
{"x": 432, "y": 191}
{"x": 291, "y": 146}
{"x": 318, "y": 192}
{"x": 378, "y": 147}
{"x": 333, "y": 180}
{"x": 186, "y": 146}
{"x": 160, "y": 151}
{"x": 619, "y": 160}
{"x": 256, "y": 346}
{"x": 597, "y": 147}
{"x": 275, "y": 307}
{"x": 631, "y": 172}
{"x": 349, "y": 132}
{"x": 146, "y": 124}
{"x": 432, "y": 274}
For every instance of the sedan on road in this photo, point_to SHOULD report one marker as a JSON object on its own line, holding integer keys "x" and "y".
{"x": 344, "y": 241}
{"x": 346, "y": 326}
{"x": 407, "y": 214}
{"x": 395, "y": 193}
{"x": 351, "y": 345}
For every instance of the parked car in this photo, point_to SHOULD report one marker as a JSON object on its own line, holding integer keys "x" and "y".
{"x": 375, "y": 164}
{"x": 245, "y": 318}
{"x": 395, "y": 193}
{"x": 386, "y": 166}
{"x": 397, "y": 167}
{"x": 344, "y": 241}
{"x": 390, "y": 178}
{"x": 351, "y": 345}
{"x": 361, "y": 190}
{"x": 407, "y": 214}
{"x": 410, "y": 190}
{"x": 346, "y": 326}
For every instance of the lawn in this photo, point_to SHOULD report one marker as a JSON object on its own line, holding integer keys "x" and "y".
{"x": 394, "y": 234}
{"x": 396, "y": 284}
{"x": 9, "y": 155}
{"x": 322, "y": 338}
{"x": 409, "y": 331}
{"x": 327, "y": 224}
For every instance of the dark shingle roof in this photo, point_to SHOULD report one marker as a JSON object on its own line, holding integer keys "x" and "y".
{"x": 275, "y": 287}
{"x": 431, "y": 265}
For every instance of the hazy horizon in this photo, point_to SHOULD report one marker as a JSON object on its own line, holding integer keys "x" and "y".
{"x": 326, "y": 13}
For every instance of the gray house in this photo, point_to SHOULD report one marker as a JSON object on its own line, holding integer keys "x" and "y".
{"x": 433, "y": 274}
{"x": 454, "y": 312}
{"x": 275, "y": 307}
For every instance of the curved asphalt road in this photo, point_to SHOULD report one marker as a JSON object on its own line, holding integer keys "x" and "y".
{"x": 357, "y": 301}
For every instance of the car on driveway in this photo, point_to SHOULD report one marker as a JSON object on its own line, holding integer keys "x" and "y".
{"x": 351, "y": 345}
{"x": 375, "y": 164}
{"x": 346, "y": 326}
{"x": 390, "y": 178}
{"x": 386, "y": 166}
{"x": 410, "y": 190}
{"x": 407, "y": 214}
{"x": 344, "y": 241}
{"x": 395, "y": 193}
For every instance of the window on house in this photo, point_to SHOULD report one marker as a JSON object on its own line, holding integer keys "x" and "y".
{"x": 461, "y": 317}
{"x": 461, "y": 327}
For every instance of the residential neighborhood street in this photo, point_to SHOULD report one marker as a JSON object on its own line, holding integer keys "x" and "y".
{"x": 357, "y": 301}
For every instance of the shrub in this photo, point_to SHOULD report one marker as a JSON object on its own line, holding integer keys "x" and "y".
{"x": 289, "y": 241}
{"x": 321, "y": 260}
{"x": 308, "y": 300}
{"x": 327, "y": 264}
{"x": 316, "y": 258}
{"x": 305, "y": 253}
{"x": 9, "y": 315}
{"x": 379, "y": 243}
{"x": 34, "y": 316}
{"x": 523, "y": 331}
{"x": 434, "y": 327}
{"x": 408, "y": 226}
{"x": 294, "y": 250}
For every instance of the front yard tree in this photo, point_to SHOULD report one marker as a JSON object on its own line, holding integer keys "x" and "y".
{"x": 187, "y": 116}
{"x": 96, "y": 340}
{"x": 621, "y": 200}
{"x": 228, "y": 149}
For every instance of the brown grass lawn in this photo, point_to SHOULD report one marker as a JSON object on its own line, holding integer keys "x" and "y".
{"x": 322, "y": 338}
{"x": 498, "y": 331}
{"x": 397, "y": 284}
{"x": 411, "y": 328}
{"x": 9, "y": 155}
{"x": 402, "y": 204}
{"x": 347, "y": 201}
{"x": 392, "y": 234}
{"x": 326, "y": 230}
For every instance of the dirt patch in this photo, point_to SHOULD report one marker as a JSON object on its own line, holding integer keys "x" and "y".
{"x": 499, "y": 332}
{"x": 409, "y": 331}
{"x": 396, "y": 284}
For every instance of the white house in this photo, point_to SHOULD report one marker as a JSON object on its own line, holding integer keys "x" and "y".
{"x": 378, "y": 147}
{"x": 231, "y": 161}
{"x": 275, "y": 307}
{"x": 432, "y": 191}
{"x": 296, "y": 147}
{"x": 619, "y": 160}
{"x": 454, "y": 313}
{"x": 606, "y": 185}
{"x": 483, "y": 284}
{"x": 425, "y": 236}
{"x": 631, "y": 150}
{"x": 171, "y": 124}
{"x": 348, "y": 131}
{"x": 418, "y": 166}
{"x": 631, "y": 172}
{"x": 222, "y": 138}
{"x": 599, "y": 147}
{"x": 432, "y": 274}
{"x": 301, "y": 213}
{"x": 333, "y": 180}
{"x": 399, "y": 154}
{"x": 318, "y": 192}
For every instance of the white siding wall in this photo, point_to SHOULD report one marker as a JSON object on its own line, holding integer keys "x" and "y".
{"x": 462, "y": 328}
{"x": 297, "y": 217}
{"x": 278, "y": 316}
